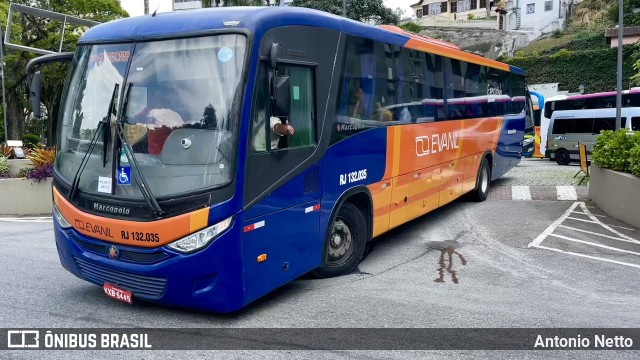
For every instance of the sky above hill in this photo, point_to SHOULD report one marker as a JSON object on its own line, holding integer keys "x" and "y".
{"x": 136, "y": 7}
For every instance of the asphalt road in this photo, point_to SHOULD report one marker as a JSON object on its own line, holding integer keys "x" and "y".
{"x": 515, "y": 264}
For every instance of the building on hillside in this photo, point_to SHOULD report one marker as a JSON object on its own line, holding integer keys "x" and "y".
{"x": 539, "y": 16}
{"x": 542, "y": 16}
{"x": 197, "y": 4}
{"x": 453, "y": 10}
{"x": 629, "y": 35}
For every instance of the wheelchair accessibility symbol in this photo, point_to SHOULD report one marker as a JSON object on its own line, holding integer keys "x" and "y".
{"x": 124, "y": 175}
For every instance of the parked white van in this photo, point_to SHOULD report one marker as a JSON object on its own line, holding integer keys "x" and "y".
{"x": 568, "y": 127}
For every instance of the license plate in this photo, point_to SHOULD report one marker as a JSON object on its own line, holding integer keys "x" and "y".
{"x": 115, "y": 292}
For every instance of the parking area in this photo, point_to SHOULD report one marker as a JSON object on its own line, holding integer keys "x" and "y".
{"x": 585, "y": 231}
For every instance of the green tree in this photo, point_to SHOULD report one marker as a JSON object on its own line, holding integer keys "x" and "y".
{"x": 359, "y": 10}
{"x": 45, "y": 34}
{"x": 210, "y": 3}
{"x": 631, "y": 18}
{"x": 411, "y": 27}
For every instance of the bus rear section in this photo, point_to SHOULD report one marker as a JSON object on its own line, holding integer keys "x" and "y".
{"x": 170, "y": 185}
{"x": 569, "y": 127}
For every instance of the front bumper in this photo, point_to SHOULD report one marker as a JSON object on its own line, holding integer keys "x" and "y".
{"x": 209, "y": 280}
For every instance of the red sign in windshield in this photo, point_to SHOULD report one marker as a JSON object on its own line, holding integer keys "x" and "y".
{"x": 113, "y": 56}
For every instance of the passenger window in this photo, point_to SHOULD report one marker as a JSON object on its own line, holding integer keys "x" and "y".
{"x": 601, "y": 124}
{"x": 635, "y": 123}
{"x": 563, "y": 126}
{"x": 301, "y": 118}
{"x": 260, "y": 116}
{"x": 583, "y": 126}
{"x": 303, "y": 106}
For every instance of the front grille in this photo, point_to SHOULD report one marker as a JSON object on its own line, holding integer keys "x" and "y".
{"x": 125, "y": 255}
{"x": 142, "y": 286}
{"x": 94, "y": 248}
{"x": 139, "y": 257}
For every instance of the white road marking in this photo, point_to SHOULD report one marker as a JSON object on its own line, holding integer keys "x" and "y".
{"x": 599, "y": 234}
{"x": 566, "y": 193}
{"x": 579, "y": 212}
{"x": 622, "y": 227}
{"x": 586, "y": 211}
{"x": 520, "y": 193}
{"x": 588, "y": 256}
{"x": 594, "y": 244}
{"x": 553, "y": 226}
{"x": 583, "y": 220}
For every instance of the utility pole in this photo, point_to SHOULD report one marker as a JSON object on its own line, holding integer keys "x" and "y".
{"x": 344, "y": 8}
{"x": 4, "y": 101}
{"x": 146, "y": 7}
{"x": 619, "y": 80}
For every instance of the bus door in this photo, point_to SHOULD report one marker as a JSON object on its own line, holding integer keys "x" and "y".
{"x": 282, "y": 192}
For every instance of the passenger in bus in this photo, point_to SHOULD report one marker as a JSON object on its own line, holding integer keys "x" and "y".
{"x": 358, "y": 110}
{"x": 278, "y": 130}
{"x": 382, "y": 114}
{"x": 160, "y": 122}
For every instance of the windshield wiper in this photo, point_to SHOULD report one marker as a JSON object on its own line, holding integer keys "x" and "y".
{"x": 142, "y": 183}
{"x": 103, "y": 126}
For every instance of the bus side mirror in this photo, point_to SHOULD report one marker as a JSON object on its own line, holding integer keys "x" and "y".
{"x": 281, "y": 96}
{"x": 273, "y": 55}
{"x": 34, "y": 92}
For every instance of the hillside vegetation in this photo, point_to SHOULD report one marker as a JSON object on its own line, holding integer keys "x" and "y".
{"x": 580, "y": 54}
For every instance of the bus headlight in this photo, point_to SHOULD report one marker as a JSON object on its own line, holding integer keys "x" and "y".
{"x": 61, "y": 220}
{"x": 527, "y": 142}
{"x": 200, "y": 239}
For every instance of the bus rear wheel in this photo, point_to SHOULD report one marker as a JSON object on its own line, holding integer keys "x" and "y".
{"x": 562, "y": 157}
{"x": 344, "y": 244}
{"x": 484, "y": 179}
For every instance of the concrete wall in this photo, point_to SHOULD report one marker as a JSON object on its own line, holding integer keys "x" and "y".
{"x": 19, "y": 197}
{"x": 616, "y": 193}
{"x": 626, "y": 40}
{"x": 539, "y": 15}
{"x": 491, "y": 43}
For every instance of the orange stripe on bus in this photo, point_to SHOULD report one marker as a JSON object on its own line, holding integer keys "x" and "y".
{"x": 424, "y": 46}
{"x": 199, "y": 219}
{"x": 133, "y": 233}
{"x": 389, "y": 157}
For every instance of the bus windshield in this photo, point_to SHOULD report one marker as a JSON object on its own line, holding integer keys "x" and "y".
{"x": 180, "y": 118}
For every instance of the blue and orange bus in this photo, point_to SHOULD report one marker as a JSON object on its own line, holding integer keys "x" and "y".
{"x": 171, "y": 186}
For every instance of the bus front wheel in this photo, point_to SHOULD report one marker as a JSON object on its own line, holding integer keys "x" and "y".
{"x": 344, "y": 244}
{"x": 562, "y": 157}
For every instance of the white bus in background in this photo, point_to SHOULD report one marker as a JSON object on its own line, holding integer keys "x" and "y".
{"x": 601, "y": 100}
{"x": 567, "y": 128}
{"x": 544, "y": 121}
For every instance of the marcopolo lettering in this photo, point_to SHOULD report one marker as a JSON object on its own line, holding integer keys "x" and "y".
{"x": 118, "y": 210}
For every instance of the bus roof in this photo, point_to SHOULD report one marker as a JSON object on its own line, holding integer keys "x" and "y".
{"x": 597, "y": 113}
{"x": 258, "y": 20}
{"x": 602, "y": 94}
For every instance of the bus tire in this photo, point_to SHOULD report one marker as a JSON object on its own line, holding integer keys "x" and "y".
{"x": 481, "y": 191}
{"x": 562, "y": 157}
{"x": 344, "y": 244}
